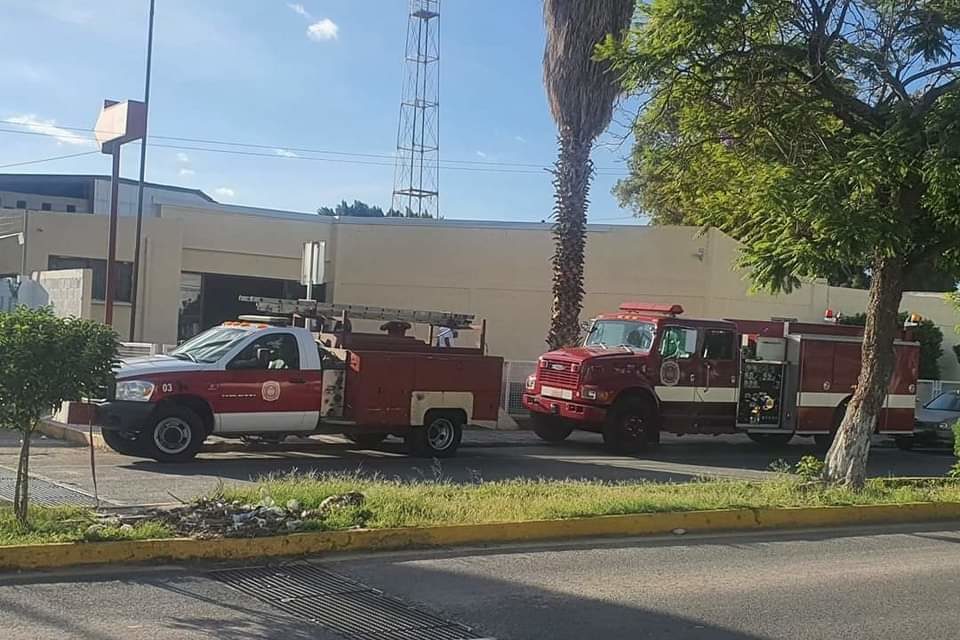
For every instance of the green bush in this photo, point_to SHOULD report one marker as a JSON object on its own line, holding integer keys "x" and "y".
{"x": 955, "y": 471}
{"x": 810, "y": 467}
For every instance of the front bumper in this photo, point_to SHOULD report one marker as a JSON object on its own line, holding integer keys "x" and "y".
{"x": 575, "y": 411}
{"x": 123, "y": 415}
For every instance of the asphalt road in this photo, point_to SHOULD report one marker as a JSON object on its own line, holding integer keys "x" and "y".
{"x": 484, "y": 455}
{"x": 891, "y": 584}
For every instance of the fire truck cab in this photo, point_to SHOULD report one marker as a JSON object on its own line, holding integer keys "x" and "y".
{"x": 646, "y": 369}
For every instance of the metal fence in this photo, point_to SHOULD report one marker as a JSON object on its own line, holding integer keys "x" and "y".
{"x": 140, "y": 349}
{"x": 515, "y": 374}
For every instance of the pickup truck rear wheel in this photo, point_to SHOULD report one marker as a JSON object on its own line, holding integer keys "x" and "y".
{"x": 632, "y": 427}
{"x": 175, "y": 435}
{"x": 550, "y": 428}
{"x": 439, "y": 437}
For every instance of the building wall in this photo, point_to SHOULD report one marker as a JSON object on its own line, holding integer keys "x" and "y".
{"x": 499, "y": 271}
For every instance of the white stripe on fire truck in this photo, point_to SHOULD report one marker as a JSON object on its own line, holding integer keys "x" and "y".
{"x": 696, "y": 394}
{"x": 820, "y": 400}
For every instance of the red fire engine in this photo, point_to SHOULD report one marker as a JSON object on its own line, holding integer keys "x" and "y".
{"x": 264, "y": 378}
{"x": 646, "y": 369}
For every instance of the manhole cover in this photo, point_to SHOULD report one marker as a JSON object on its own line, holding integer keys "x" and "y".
{"x": 347, "y": 607}
{"x": 44, "y": 493}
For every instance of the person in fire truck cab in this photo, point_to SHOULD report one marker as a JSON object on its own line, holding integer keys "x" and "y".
{"x": 608, "y": 334}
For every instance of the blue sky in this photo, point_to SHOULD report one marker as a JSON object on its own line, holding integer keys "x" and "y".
{"x": 324, "y": 75}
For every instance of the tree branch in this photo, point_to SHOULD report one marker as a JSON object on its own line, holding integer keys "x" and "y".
{"x": 930, "y": 72}
{"x": 930, "y": 98}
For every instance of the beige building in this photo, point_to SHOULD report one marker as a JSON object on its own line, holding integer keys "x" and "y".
{"x": 199, "y": 258}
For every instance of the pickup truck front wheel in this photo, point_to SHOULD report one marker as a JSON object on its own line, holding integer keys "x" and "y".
{"x": 438, "y": 438}
{"x": 174, "y": 435}
{"x": 124, "y": 443}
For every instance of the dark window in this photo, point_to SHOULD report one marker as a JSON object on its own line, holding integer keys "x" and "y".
{"x": 46, "y": 206}
{"x": 21, "y": 204}
{"x": 123, "y": 275}
{"x": 718, "y": 345}
{"x": 71, "y": 208}
{"x": 284, "y": 353}
{"x": 678, "y": 342}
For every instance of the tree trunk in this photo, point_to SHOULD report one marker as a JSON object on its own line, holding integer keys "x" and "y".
{"x": 846, "y": 461}
{"x": 21, "y": 492}
{"x": 571, "y": 181}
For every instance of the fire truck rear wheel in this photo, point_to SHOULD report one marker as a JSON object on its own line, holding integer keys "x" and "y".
{"x": 550, "y": 429}
{"x": 439, "y": 437}
{"x": 632, "y": 427}
{"x": 175, "y": 435}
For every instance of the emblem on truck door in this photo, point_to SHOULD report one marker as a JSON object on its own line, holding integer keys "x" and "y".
{"x": 670, "y": 373}
{"x": 270, "y": 391}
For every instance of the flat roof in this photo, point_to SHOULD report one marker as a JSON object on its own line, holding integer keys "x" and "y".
{"x": 75, "y": 185}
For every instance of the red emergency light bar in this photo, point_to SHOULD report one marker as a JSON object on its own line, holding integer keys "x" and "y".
{"x": 644, "y": 307}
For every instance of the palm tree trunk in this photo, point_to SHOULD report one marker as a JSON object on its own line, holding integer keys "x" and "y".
{"x": 846, "y": 461}
{"x": 571, "y": 181}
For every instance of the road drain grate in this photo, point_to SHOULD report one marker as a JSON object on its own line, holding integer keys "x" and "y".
{"x": 347, "y": 607}
{"x": 44, "y": 493}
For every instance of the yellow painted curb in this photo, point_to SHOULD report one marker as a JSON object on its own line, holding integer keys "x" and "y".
{"x": 48, "y": 556}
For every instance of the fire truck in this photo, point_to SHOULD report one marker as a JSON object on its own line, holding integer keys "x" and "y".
{"x": 646, "y": 369}
{"x": 265, "y": 377}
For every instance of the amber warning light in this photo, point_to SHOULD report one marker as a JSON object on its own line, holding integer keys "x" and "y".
{"x": 642, "y": 307}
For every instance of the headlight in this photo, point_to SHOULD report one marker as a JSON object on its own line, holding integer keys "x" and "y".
{"x": 945, "y": 426}
{"x": 135, "y": 390}
{"x": 589, "y": 393}
{"x": 531, "y": 382}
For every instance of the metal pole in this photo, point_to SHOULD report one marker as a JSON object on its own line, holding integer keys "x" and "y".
{"x": 135, "y": 278}
{"x": 23, "y": 251}
{"x": 112, "y": 242}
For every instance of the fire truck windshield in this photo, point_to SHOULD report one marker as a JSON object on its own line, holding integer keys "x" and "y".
{"x": 210, "y": 345}
{"x": 611, "y": 334}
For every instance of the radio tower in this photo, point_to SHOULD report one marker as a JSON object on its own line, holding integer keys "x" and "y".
{"x": 416, "y": 178}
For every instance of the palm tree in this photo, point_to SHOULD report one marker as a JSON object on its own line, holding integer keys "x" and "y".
{"x": 581, "y": 94}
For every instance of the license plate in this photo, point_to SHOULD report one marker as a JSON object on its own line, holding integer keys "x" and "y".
{"x": 553, "y": 392}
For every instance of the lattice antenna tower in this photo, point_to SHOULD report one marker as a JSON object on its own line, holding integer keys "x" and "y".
{"x": 416, "y": 186}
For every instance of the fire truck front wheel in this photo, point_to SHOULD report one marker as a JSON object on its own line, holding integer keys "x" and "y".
{"x": 174, "y": 435}
{"x": 439, "y": 437}
{"x": 550, "y": 428}
{"x": 771, "y": 440}
{"x": 632, "y": 426}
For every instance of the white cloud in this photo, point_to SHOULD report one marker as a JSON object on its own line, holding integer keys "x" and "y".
{"x": 285, "y": 153}
{"x": 49, "y": 128}
{"x": 481, "y": 154}
{"x": 299, "y": 9}
{"x": 520, "y": 139}
{"x": 224, "y": 192}
{"x": 324, "y": 29}
{"x": 186, "y": 173}
{"x": 184, "y": 158}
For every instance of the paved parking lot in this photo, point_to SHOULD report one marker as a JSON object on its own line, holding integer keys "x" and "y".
{"x": 483, "y": 456}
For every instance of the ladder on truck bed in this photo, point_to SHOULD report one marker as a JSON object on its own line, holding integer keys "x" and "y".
{"x": 314, "y": 309}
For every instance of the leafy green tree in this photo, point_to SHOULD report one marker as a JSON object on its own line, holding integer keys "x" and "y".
{"x": 360, "y": 209}
{"x": 926, "y": 333}
{"x": 45, "y": 361}
{"x": 821, "y": 134}
{"x": 581, "y": 94}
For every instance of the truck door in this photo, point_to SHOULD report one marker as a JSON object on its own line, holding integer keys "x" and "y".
{"x": 677, "y": 377}
{"x": 269, "y": 394}
{"x": 716, "y": 390}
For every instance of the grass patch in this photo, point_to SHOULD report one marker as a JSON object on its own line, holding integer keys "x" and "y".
{"x": 69, "y": 524}
{"x": 404, "y": 504}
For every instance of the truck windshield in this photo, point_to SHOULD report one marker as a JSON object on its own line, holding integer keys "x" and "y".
{"x": 636, "y": 336}
{"x": 947, "y": 401}
{"x": 210, "y": 345}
